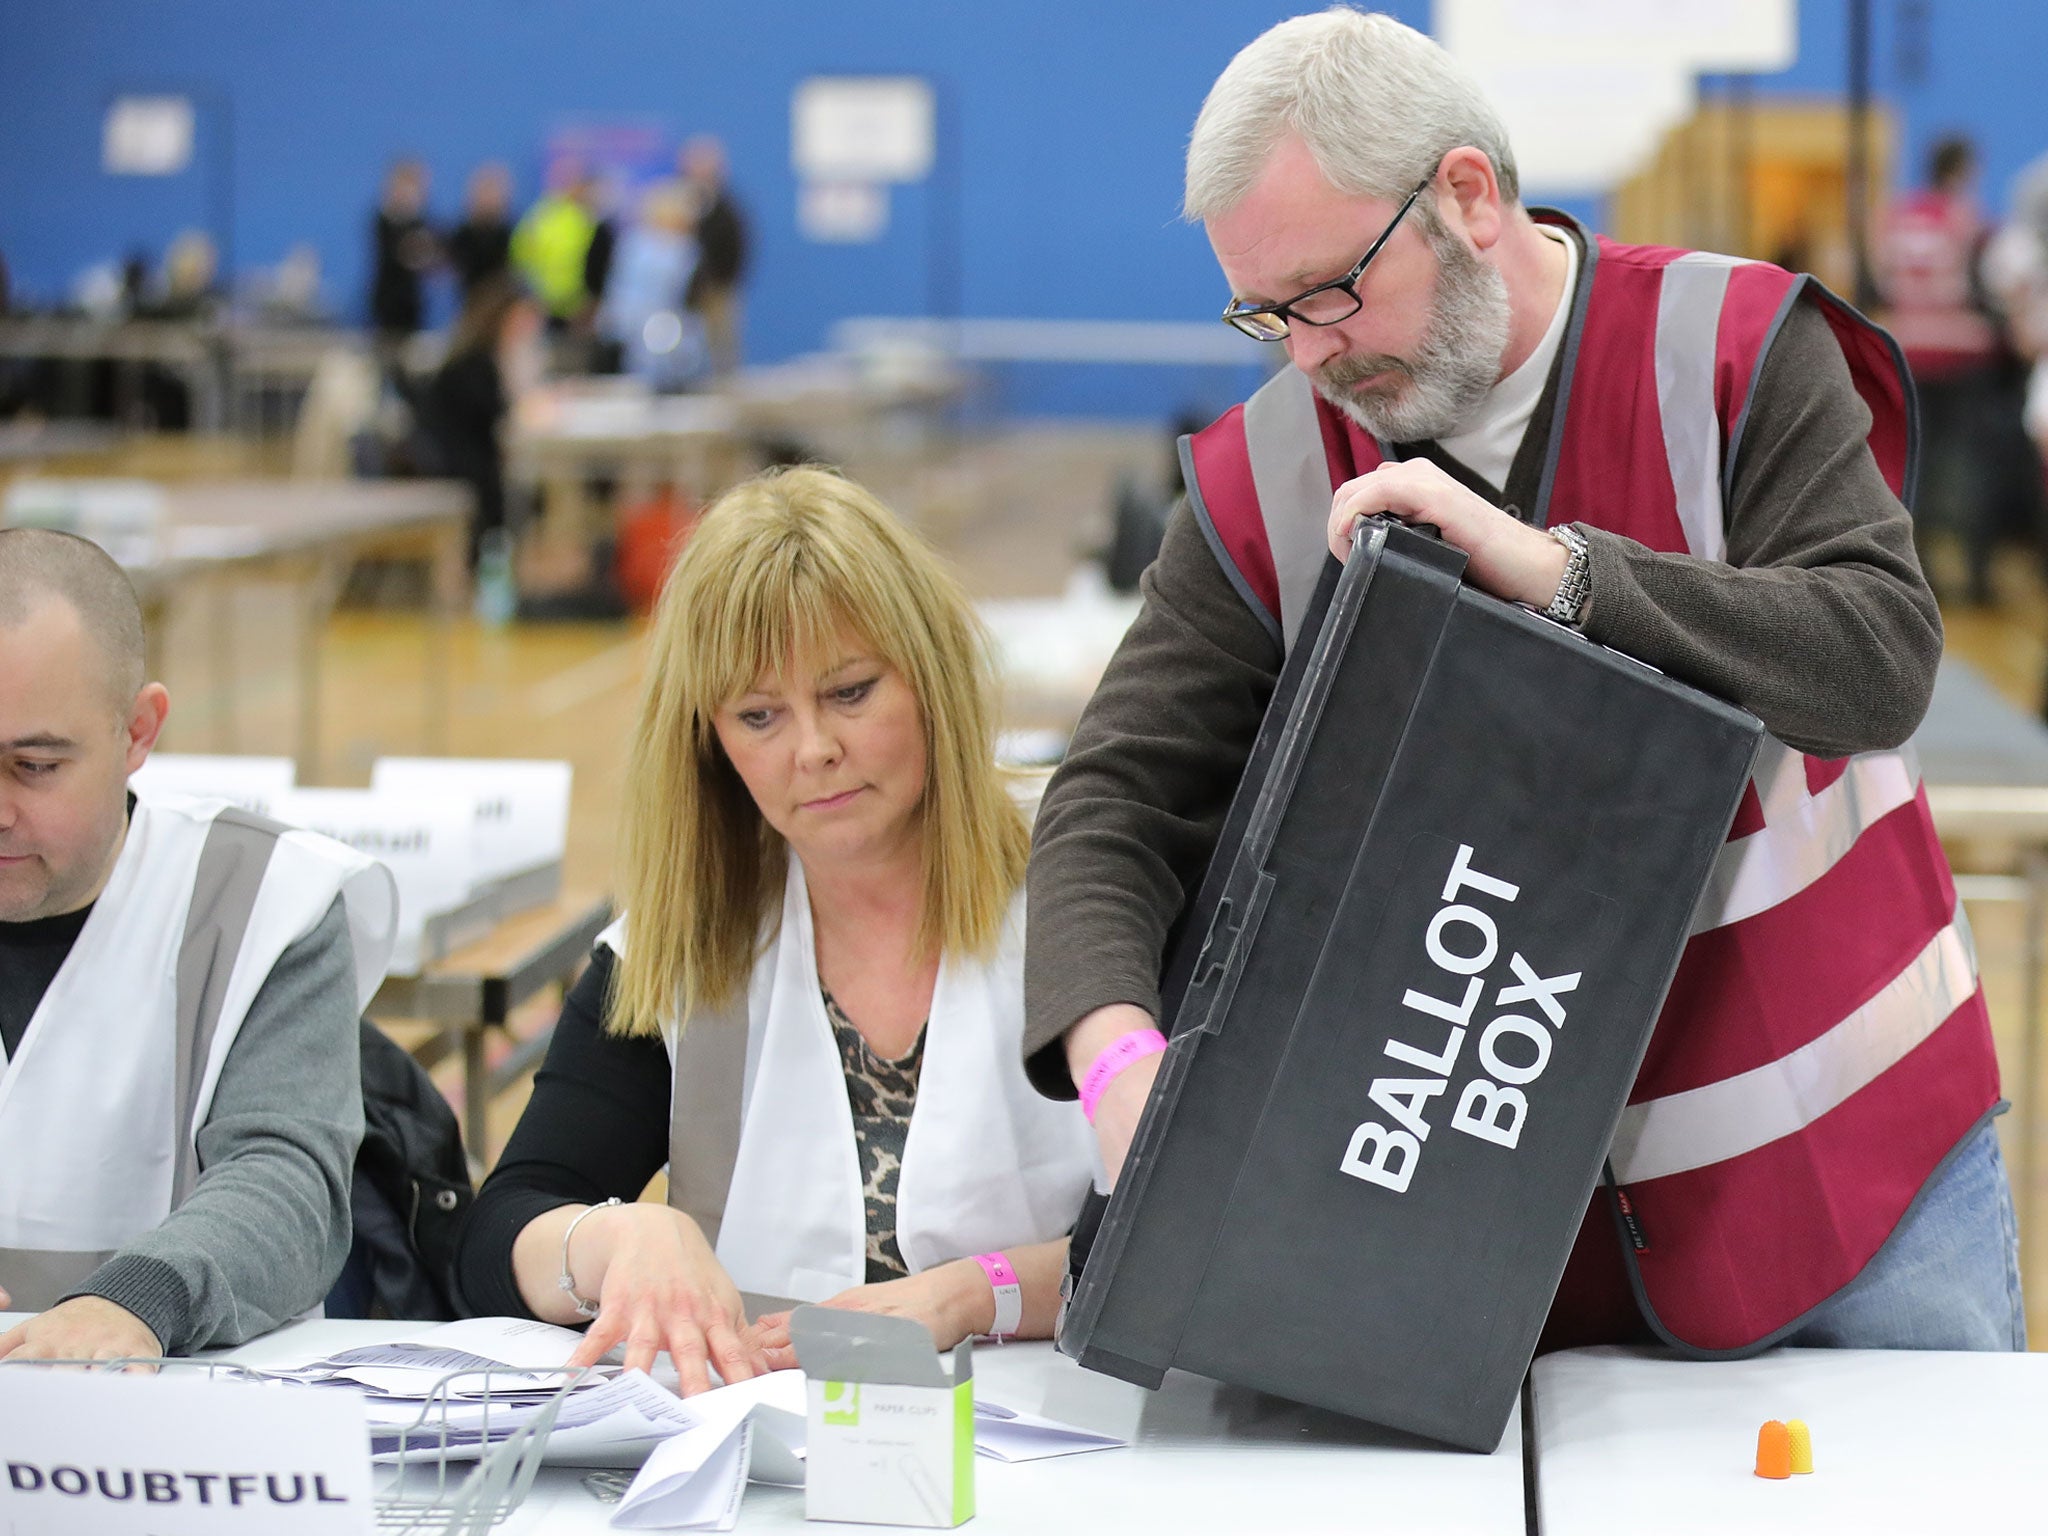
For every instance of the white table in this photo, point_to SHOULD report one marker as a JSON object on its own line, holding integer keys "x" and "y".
{"x": 1629, "y": 1441}
{"x": 1202, "y": 1458}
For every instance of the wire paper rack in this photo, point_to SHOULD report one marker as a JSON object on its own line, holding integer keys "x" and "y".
{"x": 443, "y": 1482}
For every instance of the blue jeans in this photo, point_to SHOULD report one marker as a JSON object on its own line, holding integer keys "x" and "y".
{"x": 1950, "y": 1276}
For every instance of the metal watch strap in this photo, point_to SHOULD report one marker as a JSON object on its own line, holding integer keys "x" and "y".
{"x": 1575, "y": 586}
{"x": 566, "y": 1282}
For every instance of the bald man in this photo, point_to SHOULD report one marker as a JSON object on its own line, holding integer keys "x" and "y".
{"x": 180, "y": 1100}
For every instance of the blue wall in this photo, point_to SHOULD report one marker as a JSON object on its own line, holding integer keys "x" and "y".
{"x": 1058, "y": 200}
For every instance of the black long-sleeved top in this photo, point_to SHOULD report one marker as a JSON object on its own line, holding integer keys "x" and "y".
{"x": 596, "y": 1126}
{"x": 477, "y": 249}
{"x": 402, "y": 248}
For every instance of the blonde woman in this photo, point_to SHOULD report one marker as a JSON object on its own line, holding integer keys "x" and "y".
{"x": 812, "y": 1006}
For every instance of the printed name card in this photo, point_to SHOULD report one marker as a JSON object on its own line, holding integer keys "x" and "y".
{"x": 522, "y": 806}
{"x": 97, "y": 1454}
{"x": 428, "y": 842}
{"x": 256, "y": 784}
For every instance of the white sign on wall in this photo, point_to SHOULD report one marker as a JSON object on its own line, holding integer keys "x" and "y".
{"x": 93, "y": 1454}
{"x": 842, "y": 212}
{"x": 147, "y": 136}
{"x": 874, "y": 128}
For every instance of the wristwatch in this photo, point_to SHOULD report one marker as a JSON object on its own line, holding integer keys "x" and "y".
{"x": 1575, "y": 586}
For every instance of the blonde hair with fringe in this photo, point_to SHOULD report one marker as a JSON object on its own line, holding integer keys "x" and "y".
{"x": 775, "y": 569}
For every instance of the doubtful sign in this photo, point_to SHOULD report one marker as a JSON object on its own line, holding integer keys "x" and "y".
{"x": 105, "y": 1454}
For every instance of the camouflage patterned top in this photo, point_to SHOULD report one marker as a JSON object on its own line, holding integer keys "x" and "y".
{"x": 882, "y": 1094}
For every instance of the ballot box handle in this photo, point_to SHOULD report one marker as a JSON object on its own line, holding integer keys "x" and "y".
{"x": 1221, "y": 962}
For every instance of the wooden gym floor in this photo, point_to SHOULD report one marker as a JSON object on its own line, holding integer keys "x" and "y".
{"x": 1014, "y": 514}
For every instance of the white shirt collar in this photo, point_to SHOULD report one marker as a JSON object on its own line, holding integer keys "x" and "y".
{"x": 1492, "y": 434}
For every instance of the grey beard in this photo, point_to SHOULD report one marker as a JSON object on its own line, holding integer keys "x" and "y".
{"x": 1457, "y": 362}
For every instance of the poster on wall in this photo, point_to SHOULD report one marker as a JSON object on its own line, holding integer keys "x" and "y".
{"x": 147, "y": 136}
{"x": 862, "y": 128}
{"x": 842, "y": 212}
{"x": 850, "y": 136}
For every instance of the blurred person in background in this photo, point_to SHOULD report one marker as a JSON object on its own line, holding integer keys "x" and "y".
{"x": 291, "y": 290}
{"x": 2015, "y": 269}
{"x": 551, "y": 245}
{"x": 2016, "y": 272}
{"x": 642, "y": 313}
{"x": 460, "y": 410}
{"x": 403, "y": 249}
{"x": 601, "y": 199}
{"x": 188, "y": 290}
{"x": 190, "y": 286}
{"x": 481, "y": 245}
{"x": 723, "y": 245}
{"x": 1928, "y": 250}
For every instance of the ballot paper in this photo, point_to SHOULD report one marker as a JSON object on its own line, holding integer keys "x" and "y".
{"x": 613, "y": 1422}
{"x": 754, "y": 1431}
{"x": 509, "y": 1348}
{"x": 1003, "y": 1434}
{"x": 749, "y": 1431}
{"x": 454, "y": 1392}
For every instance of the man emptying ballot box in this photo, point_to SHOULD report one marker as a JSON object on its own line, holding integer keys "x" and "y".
{"x": 1693, "y": 459}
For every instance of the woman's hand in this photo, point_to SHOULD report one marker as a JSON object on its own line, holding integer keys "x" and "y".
{"x": 657, "y": 1284}
{"x": 952, "y": 1300}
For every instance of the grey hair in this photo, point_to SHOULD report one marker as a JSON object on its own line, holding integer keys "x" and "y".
{"x": 1376, "y": 103}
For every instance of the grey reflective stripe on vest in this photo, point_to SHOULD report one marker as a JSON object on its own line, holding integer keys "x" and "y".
{"x": 39, "y": 1278}
{"x": 1291, "y": 473}
{"x": 230, "y": 873}
{"x": 704, "y": 1107}
{"x": 1688, "y": 326}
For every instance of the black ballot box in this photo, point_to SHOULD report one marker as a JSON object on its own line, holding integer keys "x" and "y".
{"x": 1409, "y": 1004}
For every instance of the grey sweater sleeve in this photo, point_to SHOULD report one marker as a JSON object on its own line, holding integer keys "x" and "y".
{"x": 1820, "y": 623}
{"x": 1129, "y": 820}
{"x": 264, "y": 1232}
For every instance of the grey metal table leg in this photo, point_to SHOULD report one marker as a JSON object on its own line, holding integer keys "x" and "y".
{"x": 476, "y": 1088}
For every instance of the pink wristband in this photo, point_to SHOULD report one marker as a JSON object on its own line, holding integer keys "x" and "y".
{"x": 1117, "y": 1055}
{"x": 1009, "y": 1291}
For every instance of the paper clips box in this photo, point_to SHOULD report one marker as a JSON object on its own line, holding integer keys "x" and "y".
{"x": 890, "y": 1432}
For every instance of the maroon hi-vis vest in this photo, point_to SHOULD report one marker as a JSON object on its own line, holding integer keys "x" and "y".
{"x": 1825, "y": 1045}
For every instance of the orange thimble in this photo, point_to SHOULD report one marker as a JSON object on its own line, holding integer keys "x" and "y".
{"x": 1801, "y": 1446}
{"x": 1774, "y": 1450}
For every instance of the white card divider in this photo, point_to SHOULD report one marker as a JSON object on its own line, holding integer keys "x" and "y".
{"x": 522, "y": 805}
{"x": 256, "y": 784}
{"x": 428, "y": 842}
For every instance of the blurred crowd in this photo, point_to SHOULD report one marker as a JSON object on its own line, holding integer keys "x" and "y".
{"x": 652, "y": 289}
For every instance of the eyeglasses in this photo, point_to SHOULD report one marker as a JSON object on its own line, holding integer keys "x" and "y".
{"x": 1326, "y": 303}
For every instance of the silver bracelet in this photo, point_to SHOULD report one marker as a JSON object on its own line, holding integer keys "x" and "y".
{"x": 567, "y": 1282}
